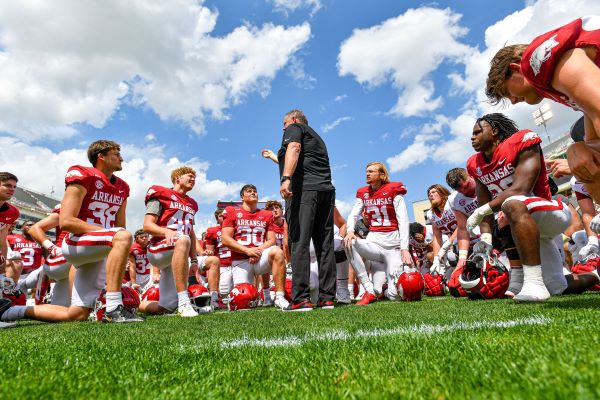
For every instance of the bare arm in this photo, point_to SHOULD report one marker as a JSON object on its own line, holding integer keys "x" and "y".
{"x": 461, "y": 231}
{"x": 484, "y": 197}
{"x": 132, "y": 269}
{"x": 231, "y": 243}
{"x": 121, "y": 220}
{"x": 291, "y": 158}
{"x": 39, "y": 229}
{"x": 587, "y": 213}
{"x": 339, "y": 221}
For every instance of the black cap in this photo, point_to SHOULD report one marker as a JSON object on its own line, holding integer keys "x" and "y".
{"x": 578, "y": 131}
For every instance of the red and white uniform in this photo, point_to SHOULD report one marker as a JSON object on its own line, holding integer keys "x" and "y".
{"x": 99, "y": 207}
{"x": 213, "y": 237}
{"x": 465, "y": 205}
{"x": 279, "y": 231}
{"x": 388, "y": 234}
{"x": 418, "y": 250}
{"x": 445, "y": 221}
{"x": 176, "y": 212}
{"x": 544, "y": 52}
{"x": 142, "y": 265}
{"x": 32, "y": 254}
{"x": 551, "y": 216}
{"x": 250, "y": 229}
{"x": 579, "y": 189}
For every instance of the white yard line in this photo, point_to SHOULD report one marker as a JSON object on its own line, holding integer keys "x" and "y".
{"x": 288, "y": 341}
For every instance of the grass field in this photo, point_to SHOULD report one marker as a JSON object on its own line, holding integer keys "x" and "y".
{"x": 433, "y": 349}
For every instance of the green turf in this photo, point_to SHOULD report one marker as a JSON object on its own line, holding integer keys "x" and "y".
{"x": 169, "y": 357}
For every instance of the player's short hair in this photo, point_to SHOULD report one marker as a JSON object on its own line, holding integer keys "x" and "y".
{"x": 382, "y": 170}
{"x": 414, "y": 228}
{"x": 177, "y": 172}
{"x": 506, "y": 127}
{"x": 7, "y": 176}
{"x": 271, "y": 204}
{"x": 138, "y": 233}
{"x": 500, "y": 71}
{"x": 441, "y": 189}
{"x": 218, "y": 213}
{"x": 101, "y": 147}
{"x": 298, "y": 114}
{"x": 246, "y": 187}
{"x": 456, "y": 176}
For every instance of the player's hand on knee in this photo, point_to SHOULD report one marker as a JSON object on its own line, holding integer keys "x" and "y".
{"x": 595, "y": 224}
{"x": 350, "y": 237}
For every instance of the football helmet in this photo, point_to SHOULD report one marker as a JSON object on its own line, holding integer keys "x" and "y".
{"x": 484, "y": 277}
{"x": 151, "y": 294}
{"x": 243, "y": 296}
{"x": 588, "y": 264}
{"x": 410, "y": 285}
{"x": 10, "y": 291}
{"x": 131, "y": 301}
{"x": 199, "y": 297}
{"x": 434, "y": 285}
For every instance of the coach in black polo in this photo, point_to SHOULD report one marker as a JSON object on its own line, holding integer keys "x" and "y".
{"x": 310, "y": 197}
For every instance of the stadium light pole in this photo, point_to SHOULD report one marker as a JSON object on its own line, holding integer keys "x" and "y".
{"x": 542, "y": 115}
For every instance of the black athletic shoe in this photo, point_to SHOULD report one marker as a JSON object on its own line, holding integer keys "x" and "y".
{"x": 326, "y": 305}
{"x": 121, "y": 315}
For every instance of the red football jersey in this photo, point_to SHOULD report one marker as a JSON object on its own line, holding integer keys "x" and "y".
{"x": 32, "y": 255}
{"x": 213, "y": 237}
{"x": 497, "y": 175}
{"x": 379, "y": 205}
{"x": 544, "y": 52}
{"x": 8, "y": 214}
{"x": 178, "y": 210}
{"x": 249, "y": 229}
{"x": 60, "y": 234}
{"x": 103, "y": 198}
{"x": 278, "y": 235}
{"x": 140, "y": 255}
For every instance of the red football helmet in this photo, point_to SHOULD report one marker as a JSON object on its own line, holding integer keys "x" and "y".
{"x": 199, "y": 296}
{"x": 434, "y": 285}
{"x": 243, "y": 296}
{"x": 9, "y": 291}
{"x": 131, "y": 301}
{"x": 484, "y": 277}
{"x": 588, "y": 264}
{"x": 410, "y": 285}
{"x": 152, "y": 294}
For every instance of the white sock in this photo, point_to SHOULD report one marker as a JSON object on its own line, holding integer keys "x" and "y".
{"x": 366, "y": 282}
{"x": 351, "y": 289}
{"x": 14, "y": 313}
{"x": 113, "y": 300}
{"x": 267, "y": 294}
{"x": 533, "y": 274}
{"x": 280, "y": 294}
{"x": 516, "y": 280}
{"x": 183, "y": 298}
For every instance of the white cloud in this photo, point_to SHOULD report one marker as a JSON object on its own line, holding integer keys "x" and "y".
{"x": 453, "y": 145}
{"x": 327, "y": 127}
{"x": 224, "y": 139}
{"x": 289, "y": 6}
{"x": 340, "y": 97}
{"x": 395, "y": 51}
{"x": 344, "y": 206}
{"x": 150, "y": 137}
{"x": 298, "y": 74}
{"x": 143, "y": 167}
{"x": 68, "y": 62}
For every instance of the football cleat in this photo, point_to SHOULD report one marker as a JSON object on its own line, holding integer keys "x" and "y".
{"x": 342, "y": 296}
{"x": 121, "y": 315}
{"x": 5, "y": 304}
{"x": 303, "y": 306}
{"x": 411, "y": 285}
{"x": 131, "y": 302}
{"x": 243, "y": 296}
{"x": 367, "y": 298}
{"x": 268, "y": 302}
{"x": 187, "y": 311}
{"x": 281, "y": 303}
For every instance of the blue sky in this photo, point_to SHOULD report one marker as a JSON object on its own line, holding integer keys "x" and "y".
{"x": 207, "y": 84}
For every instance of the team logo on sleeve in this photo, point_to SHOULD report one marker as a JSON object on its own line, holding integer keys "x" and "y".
{"x": 478, "y": 171}
{"x": 99, "y": 185}
{"x": 72, "y": 173}
{"x": 541, "y": 54}
{"x": 530, "y": 136}
{"x": 150, "y": 192}
{"x": 173, "y": 197}
{"x": 240, "y": 215}
{"x": 366, "y": 196}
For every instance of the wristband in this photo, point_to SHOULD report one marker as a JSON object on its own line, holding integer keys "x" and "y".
{"x": 193, "y": 261}
{"x": 463, "y": 254}
{"x": 486, "y": 210}
{"x": 486, "y": 237}
{"x": 47, "y": 244}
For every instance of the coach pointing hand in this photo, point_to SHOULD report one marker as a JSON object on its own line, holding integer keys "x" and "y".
{"x": 310, "y": 197}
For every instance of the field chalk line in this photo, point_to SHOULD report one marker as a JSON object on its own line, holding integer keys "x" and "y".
{"x": 287, "y": 341}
